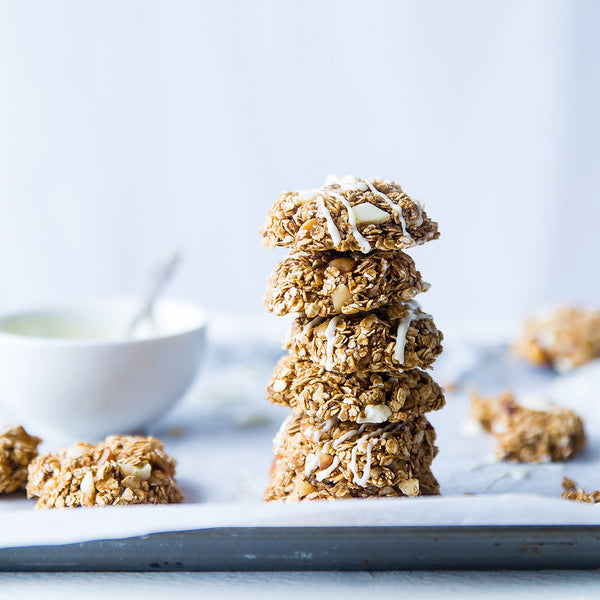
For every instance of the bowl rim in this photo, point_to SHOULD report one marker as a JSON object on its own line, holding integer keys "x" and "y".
{"x": 200, "y": 324}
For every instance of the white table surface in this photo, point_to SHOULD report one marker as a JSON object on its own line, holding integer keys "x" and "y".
{"x": 579, "y": 585}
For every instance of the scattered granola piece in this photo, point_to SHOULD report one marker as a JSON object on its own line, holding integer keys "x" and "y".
{"x": 394, "y": 338}
{"x": 572, "y": 492}
{"x": 330, "y": 283}
{"x": 360, "y": 397}
{"x": 348, "y": 214}
{"x": 120, "y": 470}
{"x": 17, "y": 450}
{"x": 537, "y": 434}
{"x": 342, "y": 459}
{"x": 564, "y": 338}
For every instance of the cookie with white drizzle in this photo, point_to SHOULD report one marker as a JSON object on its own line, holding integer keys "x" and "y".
{"x": 329, "y": 283}
{"x": 289, "y": 485}
{"x": 363, "y": 397}
{"x": 348, "y": 214}
{"x": 397, "y": 337}
{"x": 363, "y": 460}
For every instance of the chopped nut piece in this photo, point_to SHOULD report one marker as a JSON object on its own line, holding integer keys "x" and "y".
{"x": 340, "y": 297}
{"x": 366, "y": 213}
{"x": 526, "y": 435}
{"x": 344, "y": 264}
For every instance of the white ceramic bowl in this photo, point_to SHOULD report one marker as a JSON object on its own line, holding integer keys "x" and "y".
{"x": 68, "y": 371}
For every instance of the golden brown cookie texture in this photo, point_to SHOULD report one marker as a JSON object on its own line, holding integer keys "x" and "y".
{"x": 120, "y": 470}
{"x": 348, "y": 214}
{"x": 529, "y": 435}
{"x": 288, "y": 485}
{"x": 564, "y": 338}
{"x": 572, "y": 492}
{"x": 17, "y": 450}
{"x": 351, "y": 460}
{"x": 394, "y": 338}
{"x": 330, "y": 283}
{"x": 365, "y": 396}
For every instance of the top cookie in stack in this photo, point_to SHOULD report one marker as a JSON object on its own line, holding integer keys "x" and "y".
{"x": 357, "y": 342}
{"x": 348, "y": 214}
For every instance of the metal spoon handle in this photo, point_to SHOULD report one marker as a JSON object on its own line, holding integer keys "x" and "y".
{"x": 162, "y": 275}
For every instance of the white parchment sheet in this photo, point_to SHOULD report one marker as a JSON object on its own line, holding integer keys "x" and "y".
{"x": 221, "y": 437}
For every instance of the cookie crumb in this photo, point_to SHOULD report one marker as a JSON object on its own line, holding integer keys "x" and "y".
{"x": 572, "y": 492}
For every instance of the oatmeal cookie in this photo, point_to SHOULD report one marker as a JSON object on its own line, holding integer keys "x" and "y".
{"x": 363, "y": 460}
{"x": 363, "y": 397}
{"x": 394, "y": 338}
{"x": 330, "y": 283}
{"x": 572, "y": 492}
{"x": 523, "y": 434}
{"x": 120, "y": 470}
{"x": 348, "y": 214}
{"x": 17, "y": 450}
{"x": 289, "y": 485}
{"x": 563, "y": 339}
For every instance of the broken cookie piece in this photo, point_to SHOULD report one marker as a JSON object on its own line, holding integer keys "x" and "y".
{"x": 541, "y": 433}
{"x": 17, "y": 450}
{"x": 564, "y": 338}
{"x": 120, "y": 470}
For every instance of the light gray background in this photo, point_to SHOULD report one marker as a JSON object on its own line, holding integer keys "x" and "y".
{"x": 127, "y": 128}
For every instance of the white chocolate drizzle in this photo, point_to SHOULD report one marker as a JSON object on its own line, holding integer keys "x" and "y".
{"x": 347, "y": 436}
{"x": 362, "y": 480}
{"x": 334, "y": 232}
{"x": 330, "y": 337}
{"x": 328, "y": 424}
{"x": 312, "y": 323}
{"x": 329, "y": 470}
{"x": 412, "y": 307}
{"x": 365, "y": 247}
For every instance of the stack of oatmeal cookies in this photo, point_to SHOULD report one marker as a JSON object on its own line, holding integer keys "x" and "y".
{"x": 358, "y": 344}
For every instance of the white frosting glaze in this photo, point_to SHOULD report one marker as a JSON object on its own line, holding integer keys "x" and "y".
{"x": 331, "y": 228}
{"x": 330, "y": 337}
{"x": 328, "y": 424}
{"x": 347, "y": 436}
{"x": 362, "y": 480}
{"x": 412, "y": 307}
{"x": 362, "y": 242}
{"x": 329, "y": 470}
